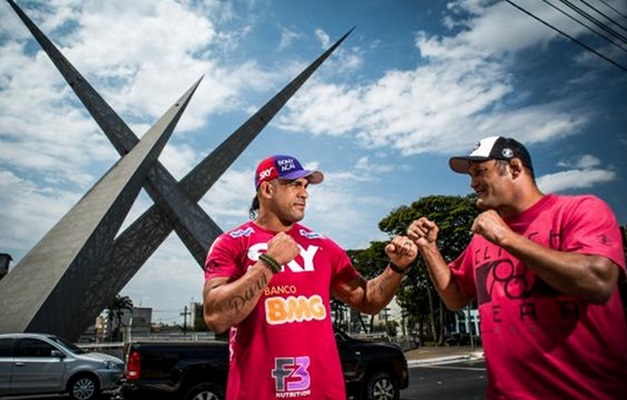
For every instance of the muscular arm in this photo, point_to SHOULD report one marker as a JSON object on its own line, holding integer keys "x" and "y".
{"x": 591, "y": 278}
{"x": 227, "y": 303}
{"x": 369, "y": 296}
{"x": 450, "y": 292}
{"x": 425, "y": 234}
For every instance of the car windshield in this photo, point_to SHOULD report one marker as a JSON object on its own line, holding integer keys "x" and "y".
{"x": 68, "y": 345}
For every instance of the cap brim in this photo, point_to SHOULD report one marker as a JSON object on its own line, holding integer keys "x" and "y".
{"x": 314, "y": 177}
{"x": 462, "y": 164}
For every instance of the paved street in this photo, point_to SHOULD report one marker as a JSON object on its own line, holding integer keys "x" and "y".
{"x": 464, "y": 380}
{"x": 445, "y": 380}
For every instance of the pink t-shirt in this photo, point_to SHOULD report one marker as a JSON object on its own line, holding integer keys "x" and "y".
{"x": 538, "y": 343}
{"x": 286, "y": 347}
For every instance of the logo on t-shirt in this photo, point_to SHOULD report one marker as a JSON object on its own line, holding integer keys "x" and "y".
{"x": 291, "y": 377}
{"x": 285, "y": 310}
{"x": 305, "y": 264}
{"x": 241, "y": 232}
{"x": 310, "y": 235}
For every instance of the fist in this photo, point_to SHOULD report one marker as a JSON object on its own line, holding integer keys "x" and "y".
{"x": 401, "y": 251}
{"x": 283, "y": 248}
{"x": 491, "y": 226}
{"x": 423, "y": 231}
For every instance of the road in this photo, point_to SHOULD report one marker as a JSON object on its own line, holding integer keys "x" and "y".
{"x": 454, "y": 381}
{"x": 465, "y": 380}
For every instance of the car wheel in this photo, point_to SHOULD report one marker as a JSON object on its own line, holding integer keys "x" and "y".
{"x": 381, "y": 386}
{"x": 205, "y": 391}
{"x": 83, "y": 387}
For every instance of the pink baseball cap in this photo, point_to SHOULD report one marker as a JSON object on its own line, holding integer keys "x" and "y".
{"x": 284, "y": 167}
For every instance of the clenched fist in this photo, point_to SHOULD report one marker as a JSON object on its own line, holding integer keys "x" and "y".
{"x": 423, "y": 232}
{"x": 401, "y": 251}
{"x": 283, "y": 248}
{"x": 491, "y": 226}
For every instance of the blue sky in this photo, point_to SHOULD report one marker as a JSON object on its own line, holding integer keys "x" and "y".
{"x": 415, "y": 83}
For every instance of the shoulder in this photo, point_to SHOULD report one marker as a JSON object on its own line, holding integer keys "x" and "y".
{"x": 587, "y": 212}
{"x": 301, "y": 232}
{"x": 586, "y": 203}
{"x": 244, "y": 230}
{"x": 307, "y": 233}
{"x": 574, "y": 199}
{"x": 229, "y": 238}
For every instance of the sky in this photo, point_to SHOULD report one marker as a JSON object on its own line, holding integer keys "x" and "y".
{"x": 415, "y": 83}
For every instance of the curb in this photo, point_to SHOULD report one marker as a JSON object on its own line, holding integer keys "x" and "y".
{"x": 445, "y": 360}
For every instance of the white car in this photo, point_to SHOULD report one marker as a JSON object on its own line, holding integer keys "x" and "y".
{"x": 33, "y": 363}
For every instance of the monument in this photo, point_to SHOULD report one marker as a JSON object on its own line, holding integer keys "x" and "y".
{"x": 70, "y": 276}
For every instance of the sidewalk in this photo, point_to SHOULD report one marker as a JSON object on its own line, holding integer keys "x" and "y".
{"x": 429, "y": 355}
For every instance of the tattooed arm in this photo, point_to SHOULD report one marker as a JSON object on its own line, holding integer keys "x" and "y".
{"x": 227, "y": 303}
{"x": 371, "y": 296}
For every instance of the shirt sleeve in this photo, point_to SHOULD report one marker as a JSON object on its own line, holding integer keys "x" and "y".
{"x": 222, "y": 259}
{"x": 593, "y": 229}
{"x": 462, "y": 270}
{"x": 344, "y": 271}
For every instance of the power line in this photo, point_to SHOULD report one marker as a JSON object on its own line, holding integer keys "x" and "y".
{"x": 568, "y": 36}
{"x": 615, "y": 10}
{"x": 604, "y": 15}
{"x": 594, "y": 21}
{"x": 584, "y": 25}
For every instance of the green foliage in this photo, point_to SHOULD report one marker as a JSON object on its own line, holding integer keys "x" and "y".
{"x": 370, "y": 261}
{"x": 391, "y": 328}
{"x": 454, "y": 216}
{"x": 116, "y": 311}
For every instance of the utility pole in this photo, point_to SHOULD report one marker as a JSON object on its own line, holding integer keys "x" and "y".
{"x": 184, "y": 314}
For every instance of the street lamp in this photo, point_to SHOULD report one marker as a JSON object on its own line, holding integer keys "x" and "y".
{"x": 5, "y": 260}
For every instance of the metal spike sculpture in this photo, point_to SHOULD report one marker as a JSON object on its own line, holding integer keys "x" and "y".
{"x": 45, "y": 295}
{"x": 175, "y": 202}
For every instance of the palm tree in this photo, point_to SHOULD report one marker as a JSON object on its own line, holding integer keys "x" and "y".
{"x": 116, "y": 311}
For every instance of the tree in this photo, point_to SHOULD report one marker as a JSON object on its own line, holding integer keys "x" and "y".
{"x": 369, "y": 262}
{"x": 116, "y": 311}
{"x": 454, "y": 216}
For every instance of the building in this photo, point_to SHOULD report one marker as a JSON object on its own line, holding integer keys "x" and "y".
{"x": 467, "y": 321}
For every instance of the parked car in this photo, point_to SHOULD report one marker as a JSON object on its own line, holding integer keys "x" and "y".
{"x": 33, "y": 364}
{"x": 462, "y": 339}
{"x": 372, "y": 370}
{"x": 198, "y": 370}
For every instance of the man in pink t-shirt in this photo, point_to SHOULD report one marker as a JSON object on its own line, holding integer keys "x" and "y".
{"x": 271, "y": 280}
{"x": 544, "y": 271}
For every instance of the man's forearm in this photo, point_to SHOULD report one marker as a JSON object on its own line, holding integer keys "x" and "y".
{"x": 588, "y": 277}
{"x": 381, "y": 289}
{"x": 440, "y": 273}
{"x": 228, "y": 304}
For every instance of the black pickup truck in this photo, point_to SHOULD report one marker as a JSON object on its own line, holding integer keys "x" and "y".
{"x": 198, "y": 370}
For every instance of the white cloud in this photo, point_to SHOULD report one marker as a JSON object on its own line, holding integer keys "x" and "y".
{"x": 324, "y": 38}
{"x": 25, "y": 221}
{"x": 585, "y": 161}
{"x": 454, "y": 89}
{"x": 583, "y": 172}
{"x": 574, "y": 179}
{"x": 466, "y": 91}
{"x": 288, "y": 36}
